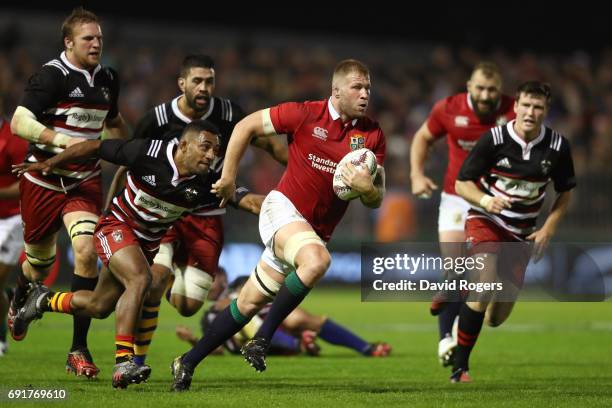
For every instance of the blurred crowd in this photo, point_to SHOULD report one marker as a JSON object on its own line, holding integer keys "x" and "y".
{"x": 407, "y": 80}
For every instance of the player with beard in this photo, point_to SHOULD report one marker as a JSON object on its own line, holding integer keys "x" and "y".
{"x": 191, "y": 249}
{"x": 462, "y": 118}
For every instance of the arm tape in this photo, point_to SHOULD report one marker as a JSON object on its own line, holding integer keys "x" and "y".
{"x": 485, "y": 200}
{"x": 266, "y": 122}
{"x": 25, "y": 125}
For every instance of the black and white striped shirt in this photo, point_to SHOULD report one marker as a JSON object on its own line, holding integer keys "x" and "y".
{"x": 155, "y": 196}
{"x": 166, "y": 121}
{"x": 74, "y": 102}
{"x": 502, "y": 164}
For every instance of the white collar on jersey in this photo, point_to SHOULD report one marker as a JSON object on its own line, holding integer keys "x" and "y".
{"x": 526, "y": 147}
{"x": 469, "y": 102}
{"x": 334, "y": 113}
{"x": 184, "y": 118}
{"x": 170, "y": 153}
{"x": 89, "y": 77}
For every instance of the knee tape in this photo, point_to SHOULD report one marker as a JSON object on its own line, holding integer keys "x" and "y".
{"x": 164, "y": 255}
{"x": 82, "y": 226}
{"x": 41, "y": 255}
{"x": 264, "y": 283}
{"x": 297, "y": 241}
{"x": 197, "y": 283}
{"x": 178, "y": 286}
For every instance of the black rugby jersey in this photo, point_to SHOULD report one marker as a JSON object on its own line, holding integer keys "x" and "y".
{"x": 154, "y": 196}
{"x": 166, "y": 121}
{"x": 74, "y": 102}
{"x": 502, "y": 164}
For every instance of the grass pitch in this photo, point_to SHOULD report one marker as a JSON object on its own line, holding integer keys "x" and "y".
{"x": 546, "y": 354}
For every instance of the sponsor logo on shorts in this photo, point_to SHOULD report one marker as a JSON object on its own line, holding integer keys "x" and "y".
{"x": 117, "y": 236}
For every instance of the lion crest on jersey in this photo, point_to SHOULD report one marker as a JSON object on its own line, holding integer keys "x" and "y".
{"x": 545, "y": 165}
{"x": 357, "y": 142}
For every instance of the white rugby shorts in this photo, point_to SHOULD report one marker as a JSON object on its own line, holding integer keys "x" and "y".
{"x": 452, "y": 213}
{"x": 276, "y": 212}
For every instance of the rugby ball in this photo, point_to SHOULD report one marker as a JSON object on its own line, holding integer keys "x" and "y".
{"x": 361, "y": 157}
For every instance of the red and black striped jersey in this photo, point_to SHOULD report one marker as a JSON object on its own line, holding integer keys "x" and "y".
{"x": 75, "y": 102}
{"x": 503, "y": 164}
{"x": 166, "y": 121}
{"x": 155, "y": 196}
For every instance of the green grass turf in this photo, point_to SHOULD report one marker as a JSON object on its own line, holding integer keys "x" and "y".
{"x": 547, "y": 354}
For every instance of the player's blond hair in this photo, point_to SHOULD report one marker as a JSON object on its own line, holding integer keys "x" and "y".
{"x": 348, "y": 66}
{"x": 488, "y": 69}
{"x": 78, "y": 16}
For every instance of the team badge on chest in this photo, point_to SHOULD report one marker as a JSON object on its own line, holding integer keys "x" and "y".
{"x": 191, "y": 194}
{"x": 106, "y": 93}
{"x": 357, "y": 142}
{"x": 545, "y": 165}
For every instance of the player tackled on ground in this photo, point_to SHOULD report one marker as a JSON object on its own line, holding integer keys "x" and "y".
{"x": 299, "y": 216}
{"x": 504, "y": 178}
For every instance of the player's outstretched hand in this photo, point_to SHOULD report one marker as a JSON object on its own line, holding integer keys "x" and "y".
{"x": 22, "y": 168}
{"x": 422, "y": 186}
{"x": 224, "y": 189}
